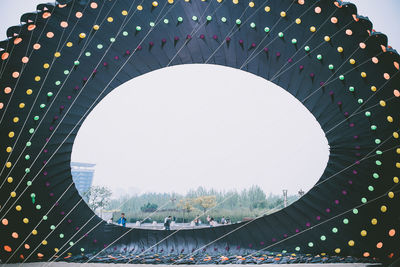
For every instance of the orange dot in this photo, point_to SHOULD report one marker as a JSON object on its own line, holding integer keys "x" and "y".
{"x": 4, "y": 221}
{"x": 363, "y": 45}
{"x": 392, "y": 232}
{"x": 36, "y": 46}
{"x": 1, "y": 105}
{"x": 93, "y": 5}
{"x": 379, "y": 245}
{"x": 386, "y": 76}
{"x": 64, "y": 24}
{"x": 366, "y": 254}
{"x": 5, "y": 56}
{"x": 7, "y": 248}
{"x": 349, "y": 32}
{"x": 396, "y": 65}
{"x": 15, "y": 74}
{"x": 334, "y": 20}
{"x": 396, "y": 93}
{"x": 317, "y": 10}
{"x": 46, "y": 15}
{"x": 40, "y": 255}
{"x": 27, "y": 246}
{"x": 375, "y": 60}
{"x": 7, "y": 90}
{"x": 31, "y": 27}
{"x": 50, "y": 35}
{"x": 301, "y": 2}
{"x": 14, "y": 235}
{"x": 78, "y": 15}
{"x": 17, "y": 40}
{"x": 25, "y": 59}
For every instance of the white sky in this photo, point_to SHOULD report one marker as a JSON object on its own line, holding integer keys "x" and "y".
{"x": 171, "y": 131}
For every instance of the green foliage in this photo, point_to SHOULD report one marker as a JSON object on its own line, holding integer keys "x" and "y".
{"x": 98, "y": 197}
{"x": 149, "y": 207}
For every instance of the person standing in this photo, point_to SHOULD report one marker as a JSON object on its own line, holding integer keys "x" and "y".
{"x": 122, "y": 220}
{"x": 167, "y": 223}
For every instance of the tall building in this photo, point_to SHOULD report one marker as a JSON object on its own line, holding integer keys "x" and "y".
{"x": 82, "y": 175}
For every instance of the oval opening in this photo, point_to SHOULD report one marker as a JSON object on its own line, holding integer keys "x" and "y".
{"x": 178, "y": 129}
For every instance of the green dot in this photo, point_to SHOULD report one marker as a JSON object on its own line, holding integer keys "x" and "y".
{"x": 61, "y": 235}
{"x": 284, "y": 251}
{"x": 252, "y": 25}
{"x": 45, "y": 218}
{"x": 27, "y": 157}
{"x": 33, "y": 195}
{"x": 266, "y": 29}
{"x": 319, "y": 57}
{"x": 367, "y": 113}
{"x": 194, "y": 18}
{"x": 351, "y": 89}
{"x": 138, "y": 28}
{"x": 180, "y": 19}
{"x": 152, "y": 24}
{"x": 28, "y": 143}
{"x": 371, "y": 188}
{"x": 294, "y": 41}
{"x": 52, "y": 227}
{"x": 31, "y": 130}
{"x": 335, "y": 230}
{"x": 280, "y": 34}
{"x": 88, "y": 54}
{"x": 378, "y": 162}
{"x": 209, "y": 18}
{"x": 346, "y": 221}
{"x": 373, "y": 127}
{"x": 297, "y": 248}
{"x": 82, "y": 249}
{"x": 71, "y": 243}
{"x": 66, "y": 72}
{"x": 112, "y": 39}
{"x": 323, "y": 238}
{"x": 310, "y": 244}
{"x": 375, "y": 175}
{"x": 125, "y": 33}
{"x": 27, "y": 170}
{"x": 307, "y": 48}
{"x": 50, "y": 94}
{"x": 377, "y": 141}
{"x": 29, "y": 183}
{"x": 57, "y": 83}
{"x": 223, "y": 19}
{"x": 36, "y": 118}
{"x": 38, "y": 207}
{"x": 42, "y": 105}
{"x": 331, "y": 67}
{"x": 364, "y": 200}
{"x": 99, "y": 46}
{"x": 341, "y": 77}
{"x": 76, "y": 62}
{"x": 360, "y": 101}
{"x": 379, "y": 152}
{"x": 238, "y": 21}
{"x": 355, "y": 211}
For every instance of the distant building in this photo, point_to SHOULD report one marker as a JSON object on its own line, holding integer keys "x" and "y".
{"x": 82, "y": 175}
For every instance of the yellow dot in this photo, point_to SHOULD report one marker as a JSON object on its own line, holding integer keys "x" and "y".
{"x": 154, "y": 4}
{"x": 82, "y": 35}
{"x": 57, "y": 54}
{"x": 363, "y": 74}
{"x": 21, "y": 105}
{"x": 283, "y": 14}
{"x": 382, "y": 103}
{"x": 10, "y": 180}
{"x": 373, "y": 88}
{"x": 351, "y": 243}
{"x": 235, "y": 1}
{"x": 383, "y": 208}
{"x": 9, "y": 149}
{"x": 389, "y": 118}
{"x": 34, "y": 232}
{"x": 396, "y": 135}
{"x": 398, "y": 151}
{"x": 298, "y": 21}
{"x": 172, "y": 1}
{"x": 327, "y": 38}
{"x": 15, "y": 119}
{"x": 391, "y": 195}
{"x": 340, "y": 49}
{"x": 337, "y": 250}
{"x": 46, "y": 65}
{"x": 25, "y": 220}
{"x": 124, "y": 12}
{"x": 396, "y": 180}
{"x": 267, "y": 9}
{"x": 374, "y": 221}
{"x": 363, "y": 233}
{"x": 37, "y": 78}
{"x": 110, "y": 19}
{"x": 13, "y": 194}
{"x": 11, "y": 134}
{"x": 139, "y": 7}
{"x": 313, "y": 29}
{"x": 8, "y": 164}
{"x": 96, "y": 27}
{"x": 56, "y": 249}
{"x": 251, "y": 4}
{"x": 44, "y": 242}
{"x": 29, "y": 91}
{"x": 352, "y": 61}
{"x": 18, "y": 208}
{"x": 69, "y": 44}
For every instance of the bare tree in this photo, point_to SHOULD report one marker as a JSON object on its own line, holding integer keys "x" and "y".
{"x": 99, "y": 197}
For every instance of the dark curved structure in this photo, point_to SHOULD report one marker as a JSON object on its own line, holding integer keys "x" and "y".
{"x": 64, "y": 59}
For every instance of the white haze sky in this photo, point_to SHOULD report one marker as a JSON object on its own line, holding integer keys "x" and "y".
{"x": 186, "y": 126}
